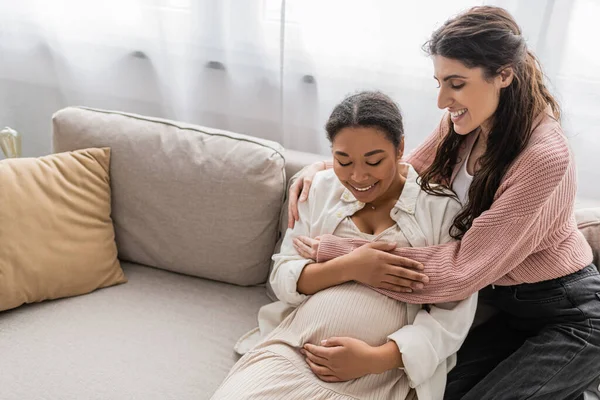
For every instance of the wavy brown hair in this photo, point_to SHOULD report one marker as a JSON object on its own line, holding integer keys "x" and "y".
{"x": 489, "y": 38}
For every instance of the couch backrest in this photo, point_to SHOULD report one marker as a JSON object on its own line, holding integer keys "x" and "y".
{"x": 186, "y": 198}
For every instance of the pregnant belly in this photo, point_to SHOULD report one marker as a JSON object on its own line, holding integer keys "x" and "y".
{"x": 350, "y": 309}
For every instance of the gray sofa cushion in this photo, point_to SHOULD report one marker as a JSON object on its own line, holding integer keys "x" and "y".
{"x": 188, "y": 199}
{"x": 160, "y": 336}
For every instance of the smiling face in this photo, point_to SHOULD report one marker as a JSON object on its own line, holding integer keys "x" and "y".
{"x": 365, "y": 162}
{"x": 470, "y": 98}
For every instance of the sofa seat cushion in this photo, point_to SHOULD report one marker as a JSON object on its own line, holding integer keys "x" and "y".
{"x": 160, "y": 336}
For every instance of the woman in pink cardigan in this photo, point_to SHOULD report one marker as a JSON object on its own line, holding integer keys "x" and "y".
{"x": 502, "y": 151}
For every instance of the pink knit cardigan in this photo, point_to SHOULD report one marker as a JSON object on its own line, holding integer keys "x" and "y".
{"x": 528, "y": 235}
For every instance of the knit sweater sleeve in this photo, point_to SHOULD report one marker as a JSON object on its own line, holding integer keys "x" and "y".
{"x": 535, "y": 188}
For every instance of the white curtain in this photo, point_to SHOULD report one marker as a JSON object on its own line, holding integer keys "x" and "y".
{"x": 271, "y": 68}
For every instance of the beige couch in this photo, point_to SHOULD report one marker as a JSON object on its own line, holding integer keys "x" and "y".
{"x": 197, "y": 214}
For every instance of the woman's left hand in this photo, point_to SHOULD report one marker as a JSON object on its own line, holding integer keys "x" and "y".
{"x": 340, "y": 359}
{"x": 307, "y": 247}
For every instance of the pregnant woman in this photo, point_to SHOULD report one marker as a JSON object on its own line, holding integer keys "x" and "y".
{"x": 367, "y": 195}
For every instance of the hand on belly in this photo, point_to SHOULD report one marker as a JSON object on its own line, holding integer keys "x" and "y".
{"x": 341, "y": 359}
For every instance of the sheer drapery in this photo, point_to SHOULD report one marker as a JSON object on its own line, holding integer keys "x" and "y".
{"x": 270, "y": 68}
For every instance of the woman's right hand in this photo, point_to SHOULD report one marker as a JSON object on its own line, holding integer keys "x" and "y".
{"x": 300, "y": 189}
{"x": 372, "y": 264}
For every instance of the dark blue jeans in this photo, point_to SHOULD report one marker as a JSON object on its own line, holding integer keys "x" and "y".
{"x": 543, "y": 344}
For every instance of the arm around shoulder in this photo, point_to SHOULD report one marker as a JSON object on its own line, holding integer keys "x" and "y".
{"x": 288, "y": 264}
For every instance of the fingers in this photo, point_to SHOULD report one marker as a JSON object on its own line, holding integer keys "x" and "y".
{"x": 307, "y": 247}
{"x": 303, "y": 249}
{"x": 306, "y": 184}
{"x": 294, "y": 192}
{"x": 318, "y": 369}
{"x": 333, "y": 342}
{"x": 300, "y": 245}
{"x": 398, "y": 275}
{"x": 384, "y": 246}
{"x": 314, "y": 358}
{"x": 395, "y": 259}
{"x": 317, "y": 350}
{"x": 405, "y": 277}
{"x": 307, "y": 241}
{"x": 329, "y": 378}
{"x": 402, "y": 283}
{"x": 404, "y": 262}
{"x": 395, "y": 288}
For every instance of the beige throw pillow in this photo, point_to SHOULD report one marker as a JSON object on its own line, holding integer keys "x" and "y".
{"x": 56, "y": 233}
